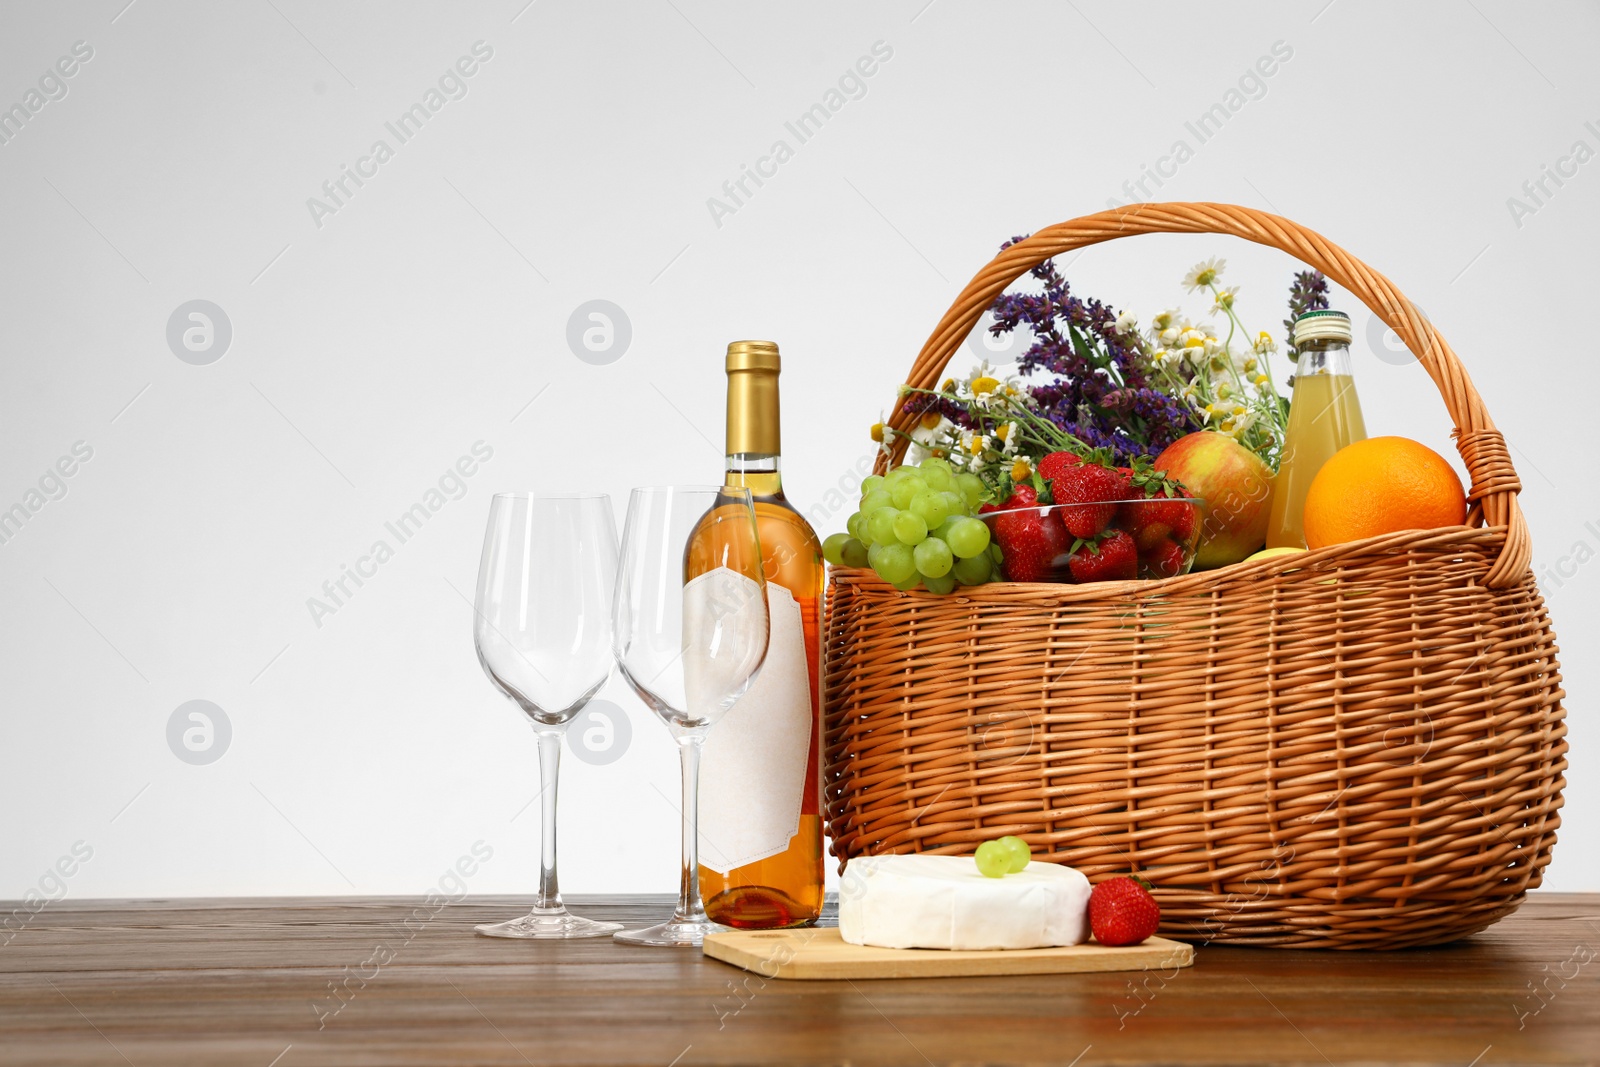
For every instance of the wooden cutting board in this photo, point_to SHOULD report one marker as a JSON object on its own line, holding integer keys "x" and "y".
{"x": 822, "y": 953}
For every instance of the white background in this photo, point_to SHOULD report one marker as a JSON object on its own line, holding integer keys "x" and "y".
{"x": 370, "y": 352}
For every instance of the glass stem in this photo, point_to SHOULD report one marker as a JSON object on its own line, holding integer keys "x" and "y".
{"x": 549, "y": 767}
{"x": 689, "y": 907}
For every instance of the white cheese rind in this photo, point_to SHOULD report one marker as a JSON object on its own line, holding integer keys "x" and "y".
{"x": 943, "y": 902}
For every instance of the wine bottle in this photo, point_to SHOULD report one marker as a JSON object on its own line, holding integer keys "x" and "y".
{"x": 761, "y": 862}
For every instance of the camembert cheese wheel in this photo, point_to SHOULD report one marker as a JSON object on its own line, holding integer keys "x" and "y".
{"x": 943, "y": 902}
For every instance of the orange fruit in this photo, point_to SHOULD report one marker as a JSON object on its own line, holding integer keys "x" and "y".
{"x": 1379, "y": 486}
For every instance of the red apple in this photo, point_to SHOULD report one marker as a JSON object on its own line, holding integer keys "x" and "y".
{"x": 1236, "y": 486}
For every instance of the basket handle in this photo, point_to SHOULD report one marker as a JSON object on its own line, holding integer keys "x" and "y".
{"x": 1493, "y": 494}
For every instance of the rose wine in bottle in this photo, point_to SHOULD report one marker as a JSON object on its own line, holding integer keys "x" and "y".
{"x": 760, "y": 789}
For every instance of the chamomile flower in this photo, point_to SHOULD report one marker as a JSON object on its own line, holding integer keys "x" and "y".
{"x": 1204, "y": 274}
{"x": 1127, "y": 322}
{"x": 1224, "y": 299}
{"x": 979, "y": 373}
{"x": 1264, "y": 343}
{"x": 930, "y": 429}
{"x": 1009, "y": 437}
{"x": 1165, "y": 320}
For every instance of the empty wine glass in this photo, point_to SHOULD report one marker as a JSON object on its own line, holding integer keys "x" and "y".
{"x": 690, "y": 633}
{"x": 542, "y": 627}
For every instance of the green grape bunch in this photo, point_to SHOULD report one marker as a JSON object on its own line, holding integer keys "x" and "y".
{"x": 917, "y": 527}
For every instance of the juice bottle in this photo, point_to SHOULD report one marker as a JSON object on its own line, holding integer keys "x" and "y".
{"x": 1324, "y": 416}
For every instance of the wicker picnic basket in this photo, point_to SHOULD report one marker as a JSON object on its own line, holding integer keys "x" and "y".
{"x": 1362, "y": 747}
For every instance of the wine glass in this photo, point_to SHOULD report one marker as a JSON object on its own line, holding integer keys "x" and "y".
{"x": 542, "y": 627}
{"x": 690, "y": 634}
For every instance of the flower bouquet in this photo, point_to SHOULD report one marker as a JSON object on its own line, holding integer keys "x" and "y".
{"x": 1062, "y": 464}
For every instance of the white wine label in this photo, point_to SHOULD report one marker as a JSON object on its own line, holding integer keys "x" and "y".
{"x": 752, "y": 776}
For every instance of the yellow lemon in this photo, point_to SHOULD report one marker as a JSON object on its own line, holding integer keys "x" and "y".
{"x": 1268, "y": 553}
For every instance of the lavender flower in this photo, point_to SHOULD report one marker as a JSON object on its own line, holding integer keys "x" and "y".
{"x": 1099, "y": 389}
{"x": 1308, "y": 293}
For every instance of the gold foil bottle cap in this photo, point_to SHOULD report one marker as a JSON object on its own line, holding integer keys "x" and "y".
{"x": 753, "y": 398}
{"x": 753, "y": 355}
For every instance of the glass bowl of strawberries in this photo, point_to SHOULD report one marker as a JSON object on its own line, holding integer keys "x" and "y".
{"x": 1096, "y": 524}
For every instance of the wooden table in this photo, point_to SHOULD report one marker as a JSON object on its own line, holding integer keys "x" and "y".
{"x": 250, "y": 982}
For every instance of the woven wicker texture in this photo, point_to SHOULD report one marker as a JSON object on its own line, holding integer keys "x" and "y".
{"x": 1360, "y": 747}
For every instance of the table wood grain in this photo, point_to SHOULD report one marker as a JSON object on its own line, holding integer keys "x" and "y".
{"x": 252, "y": 982}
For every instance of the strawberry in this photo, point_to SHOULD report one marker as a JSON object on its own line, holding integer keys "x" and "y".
{"x": 1163, "y": 560}
{"x": 1051, "y": 466}
{"x": 1112, "y": 558}
{"x": 1159, "y": 518}
{"x": 1022, "y": 496}
{"x": 1087, "y": 493}
{"x": 1177, "y": 514}
{"x": 1031, "y": 542}
{"x": 1122, "y": 911}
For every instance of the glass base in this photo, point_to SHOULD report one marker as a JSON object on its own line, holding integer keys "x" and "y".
{"x": 681, "y": 932}
{"x": 548, "y": 923}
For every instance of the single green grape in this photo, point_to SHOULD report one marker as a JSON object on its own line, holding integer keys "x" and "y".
{"x": 994, "y": 861}
{"x": 939, "y": 585}
{"x": 853, "y": 523}
{"x": 906, "y": 489}
{"x": 955, "y": 502}
{"x": 893, "y": 562}
{"x": 909, "y": 584}
{"x": 971, "y": 487}
{"x": 878, "y": 498}
{"x": 909, "y": 528}
{"x": 930, "y": 507}
{"x": 995, "y": 553}
{"x": 854, "y": 553}
{"x": 939, "y": 479}
{"x": 933, "y": 557}
{"x": 934, "y": 463}
{"x": 870, "y": 483}
{"x": 968, "y": 537}
{"x": 1017, "y": 851}
{"x": 973, "y": 571}
{"x": 880, "y": 525}
{"x": 896, "y": 476}
{"x": 833, "y": 548}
